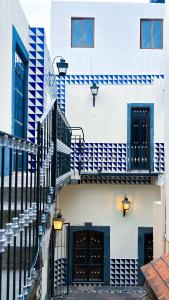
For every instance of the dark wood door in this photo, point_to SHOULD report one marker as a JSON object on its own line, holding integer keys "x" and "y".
{"x": 140, "y": 139}
{"x": 88, "y": 252}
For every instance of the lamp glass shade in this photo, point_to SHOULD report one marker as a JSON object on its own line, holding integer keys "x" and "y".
{"x": 126, "y": 204}
{"x": 62, "y": 67}
{"x": 58, "y": 221}
{"x": 57, "y": 224}
{"x": 94, "y": 89}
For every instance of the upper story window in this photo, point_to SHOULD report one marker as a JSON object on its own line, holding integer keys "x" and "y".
{"x": 140, "y": 138}
{"x": 82, "y": 32}
{"x": 20, "y": 58}
{"x": 151, "y": 34}
{"x": 19, "y": 100}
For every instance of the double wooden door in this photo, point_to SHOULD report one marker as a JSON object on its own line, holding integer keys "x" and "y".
{"x": 88, "y": 249}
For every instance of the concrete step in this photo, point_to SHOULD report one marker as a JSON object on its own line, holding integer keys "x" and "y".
{"x": 104, "y": 293}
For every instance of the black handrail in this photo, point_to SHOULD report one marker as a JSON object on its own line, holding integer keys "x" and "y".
{"x": 29, "y": 174}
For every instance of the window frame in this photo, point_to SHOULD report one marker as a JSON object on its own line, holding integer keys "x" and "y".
{"x": 151, "y": 22}
{"x": 82, "y": 19}
{"x": 18, "y": 46}
{"x": 143, "y": 114}
{"x": 19, "y": 81}
{"x": 129, "y": 110}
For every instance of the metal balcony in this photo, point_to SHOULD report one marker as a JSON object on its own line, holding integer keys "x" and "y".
{"x": 30, "y": 175}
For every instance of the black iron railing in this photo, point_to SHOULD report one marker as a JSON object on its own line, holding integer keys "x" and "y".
{"x": 78, "y": 147}
{"x": 18, "y": 215}
{"x": 28, "y": 177}
{"x": 64, "y": 132}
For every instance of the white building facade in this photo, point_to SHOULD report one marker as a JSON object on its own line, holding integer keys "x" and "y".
{"x": 27, "y": 45}
{"x": 24, "y": 95}
{"x": 13, "y": 26}
{"x": 119, "y": 47}
{"x": 166, "y": 203}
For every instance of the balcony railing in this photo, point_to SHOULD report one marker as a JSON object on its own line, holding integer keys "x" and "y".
{"x": 116, "y": 158}
{"x": 29, "y": 177}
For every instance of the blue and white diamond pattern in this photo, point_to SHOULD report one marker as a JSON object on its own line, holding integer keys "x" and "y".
{"x": 35, "y": 80}
{"x": 159, "y": 164}
{"x": 123, "y": 272}
{"x": 103, "y": 157}
{"x": 115, "y": 179}
{"x": 88, "y": 284}
{"x": 109, "y": 157}
{"x": 60, "y": 93}
{"x": 60, "y": 272}
{"x": 119, "y": 79}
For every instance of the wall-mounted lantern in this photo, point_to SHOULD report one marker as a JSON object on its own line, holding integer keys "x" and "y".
{"x": 58, "y": 225}
{"x": 62, "y": 67}
{"x": 58, "y": 220}
{"x": 126, "y": 205}
{"x": 94, "y": 89}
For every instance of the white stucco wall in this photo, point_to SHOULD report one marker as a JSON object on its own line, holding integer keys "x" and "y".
{"x": 117, "y": 37}
{"x": 158, "y": 229}
{"x": 11, "y": 13}
{"x": 101, "y": 205}
{"x": 117, "y": 51}
{"x": 166, "y": 117}
{"x": 107, "y": 121}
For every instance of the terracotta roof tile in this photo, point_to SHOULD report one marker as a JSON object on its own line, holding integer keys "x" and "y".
{"x": 157, "y": 274}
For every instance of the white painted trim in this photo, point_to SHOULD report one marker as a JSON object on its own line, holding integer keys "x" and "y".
{"x": 63, "y": 148}
{"x": 61, "y": 180}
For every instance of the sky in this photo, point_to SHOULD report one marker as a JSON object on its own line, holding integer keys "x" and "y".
{"x": 38, "y": 12}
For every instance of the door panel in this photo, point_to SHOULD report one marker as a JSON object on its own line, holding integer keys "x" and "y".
{"x": 88, "y": 256}
{"x": 148, "y": 247}
{"x": 140, "y": 139}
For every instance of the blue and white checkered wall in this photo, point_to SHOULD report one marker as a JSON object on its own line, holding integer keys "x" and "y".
{"x": 123, "y": 272}
{"x": 35, "y": 80}
{"x": 38, "y": 81}
{"x": 109, "y": 157}
{"x": 60, "y": 270}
